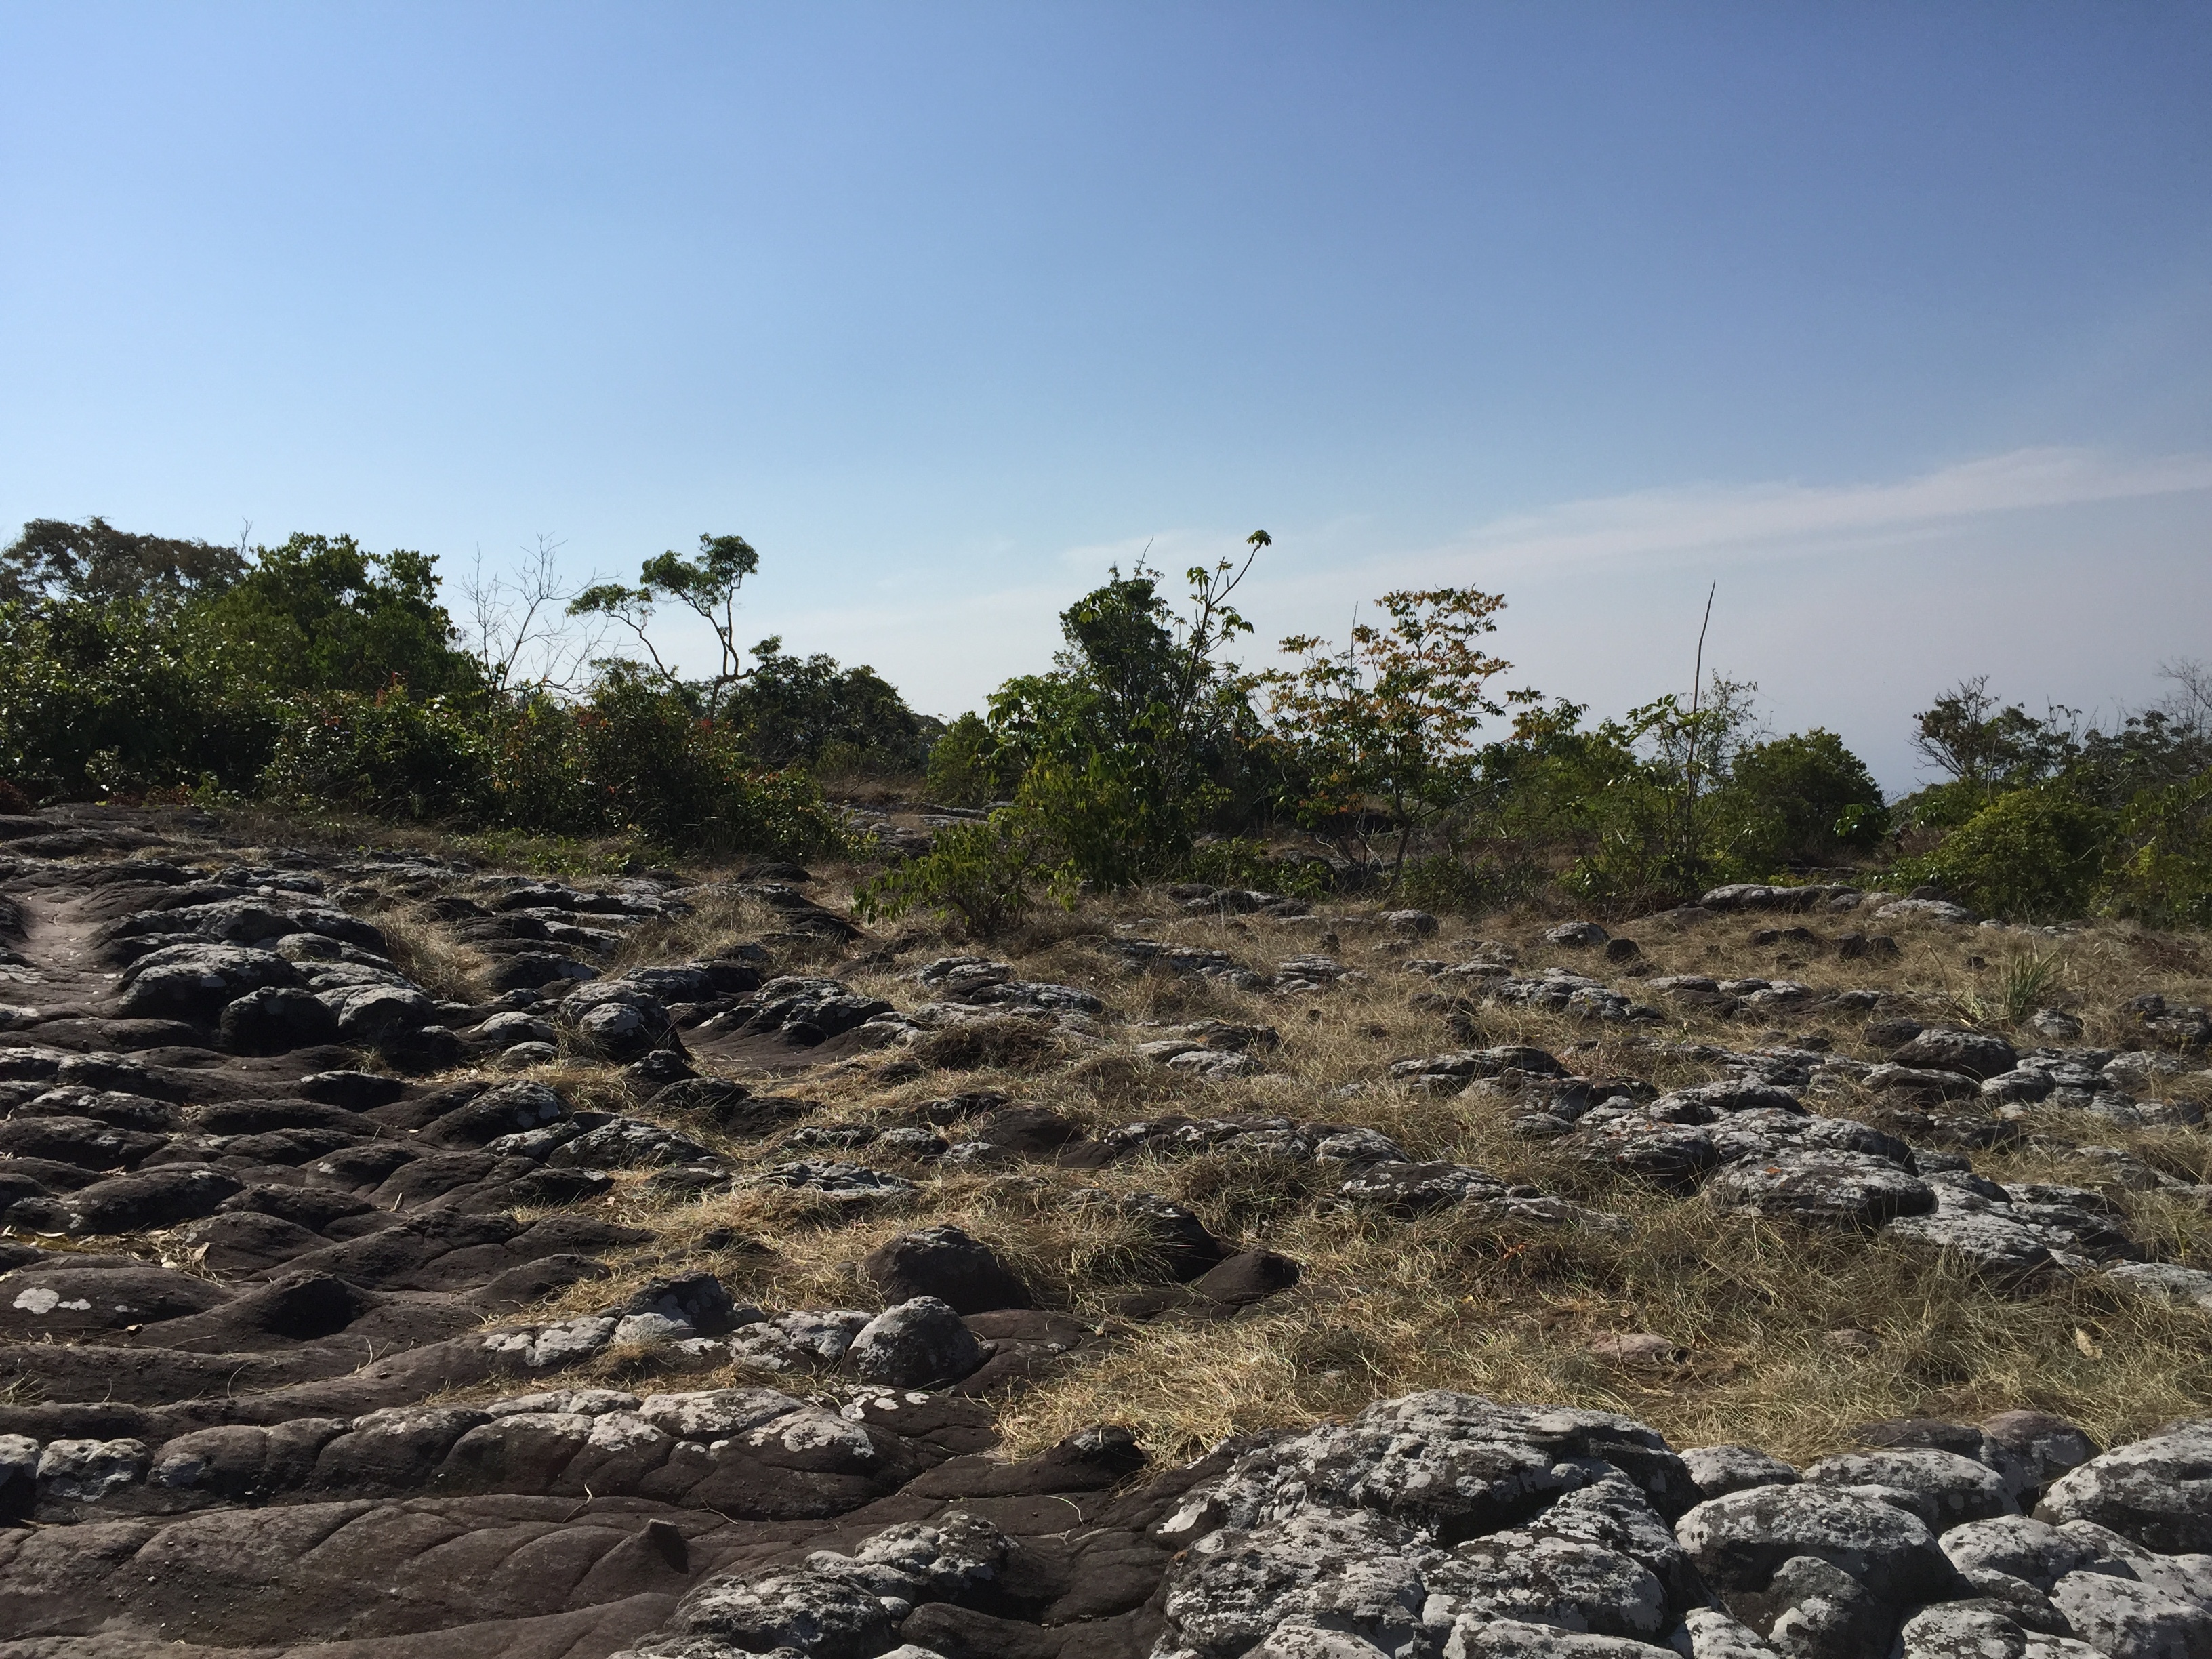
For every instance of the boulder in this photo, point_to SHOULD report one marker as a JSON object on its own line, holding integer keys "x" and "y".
{"x": 945, "y": 1263}
{"x": 195, "y": 981}
{"x": 1975, "y": 1053}
{"x": 917, "y": 1344}
{"x": 274, "y": 1020}
{"x": 2156, "y": 1493}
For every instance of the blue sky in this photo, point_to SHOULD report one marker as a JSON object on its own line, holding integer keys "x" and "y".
{"x": 1895, "y": 320}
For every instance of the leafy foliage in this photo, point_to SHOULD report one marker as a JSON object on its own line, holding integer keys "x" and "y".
{"x": 319, "y": 673}
{"x": 54, "y": 559}
{"x": 707, "y": 585}
{"x": 1134, "y": 740}
{"x": 985, "y": 876}
{"x": 962, "y": 769}
{"x": 1387, "y": 724}
{"x": 2035, "y": 853}
{"x": 792, "y": 710}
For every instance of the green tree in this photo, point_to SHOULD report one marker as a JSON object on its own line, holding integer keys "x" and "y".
{"x": 1136, "y": 734}
{"x": 2031, "y": 854}
{"x": 55, "y": 559}
{"x": 1384, "y": 727}
{"x": 964, "y": 763}
{"x": 792, "y": 710}
{"x": 321, "y": 613}
{"x": 1800, "y": 799}
{"x": 707, "y": 585}
{"x": 1969, "y": 737}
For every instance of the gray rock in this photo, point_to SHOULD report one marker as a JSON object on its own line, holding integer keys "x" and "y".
{"x": 2157, "y": 1492}
{"x": 86, "y": 1471}
{"x": 1355, "y": 1572}
{"x": 959, "y": 1555}
{"x": 914, "y": 1344}
{"x": 1962, "y": 1631}
{"x": 627, "y": 1143}
{"x": 1941, "y": 1487}
{"x": 1477, "y": 1636}
{"x": 2033, "y": 1551}
{"x": 819, "y": 1616}
{"x": 1563, "y": 1582}
{"x": 1824, "y": 1188}
{"x": 2034, "y": 1448}
{"x": 1740, "y": 1541}
{"x": 2169, "y": 1281}
{"x": 2128, "y": 1619}
{"x": 1717, "y": 1470}
{"x": 193, "y": 982}
{"x": 1440, "y": 1459}
{"x": 367, "y": 1013}
{"x": 946, "y": 1263}
{"x": 832, "y": 1178}
{"x": 1991, "y": 1241}
{"x": 1302, "y": 1641}
{"x": 1709, "y": 1634}
{"x": 1975, "y": 1053}
{"x": 1408, "y": 1189}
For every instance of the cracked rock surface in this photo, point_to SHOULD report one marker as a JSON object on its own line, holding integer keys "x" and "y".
{"x": 338, "y": 1312}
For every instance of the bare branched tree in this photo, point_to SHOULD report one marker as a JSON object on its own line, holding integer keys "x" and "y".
{"x": 2189, "y": 705}
{"x": 523, "y": 635}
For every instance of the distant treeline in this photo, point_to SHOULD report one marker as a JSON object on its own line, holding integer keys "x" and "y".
{"x": 317, "y": 673}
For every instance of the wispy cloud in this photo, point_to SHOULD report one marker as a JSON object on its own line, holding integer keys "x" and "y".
{"x": 1789, "y": 517}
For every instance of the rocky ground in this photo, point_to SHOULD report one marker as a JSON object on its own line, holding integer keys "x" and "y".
{"x": 407, "y": 1255}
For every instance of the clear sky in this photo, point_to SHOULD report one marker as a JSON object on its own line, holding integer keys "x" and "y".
{"x": 1894, "y": 319}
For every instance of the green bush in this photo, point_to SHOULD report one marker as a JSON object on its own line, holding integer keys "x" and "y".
{"x": 2030, "y": 854}
{"x": 101, "y": 698}
{"x": 963, "y": 769}
{"x": 1799, "y": 799}
{"x": 1463, "y": 886}
{"x": 807, "y": 710}
{"x": 985, "y": 876}
{"x": 388, "y": 755}
{"x": 2163, "y": 873}
{"x": 1244, "y": 861}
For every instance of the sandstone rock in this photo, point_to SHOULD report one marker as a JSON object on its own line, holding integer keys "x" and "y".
{"x": 1718, "y": 1470}
{"x": 916, "y": 1344}
{"x": 945, "y": 1263}
{"x": 2157, "y": 1492}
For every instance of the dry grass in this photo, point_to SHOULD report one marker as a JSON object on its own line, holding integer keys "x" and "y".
{"x": 420, "y": 948}
{"x": 1509, "y": 1312}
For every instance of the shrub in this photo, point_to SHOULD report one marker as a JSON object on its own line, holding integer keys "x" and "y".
{"x": 2163, "y": 876}
{"x": 1243, "y": 861}
{"x": 1468, "y": 887}
{"x": 986, "y": 876}
{"x": 2031, "y": 854}
{"x": 1798, "y": 799}
{"x": 963, "y": 769}
{"x": 99, "y": 698}
{"x": 389, "y": 755}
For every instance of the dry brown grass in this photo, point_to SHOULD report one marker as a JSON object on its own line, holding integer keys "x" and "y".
{"x": 422, "y": 948}
{"x": 1509, "y": 1312}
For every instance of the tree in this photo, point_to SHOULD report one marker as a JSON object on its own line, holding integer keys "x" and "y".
{"x": 707, "y": 585}
{"x": 1800, "y": 799}
{"x": 964, "y": 763}
{"x": 1130, "y": 742}
{"x": 1387, "y": 722}
{"x": 322, "y": 613}
{"x": 1966, "y": 735}
{"x": 94, "y": 560}
{"x": 523, "y": 639}
{"x": 792, "y": 710}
